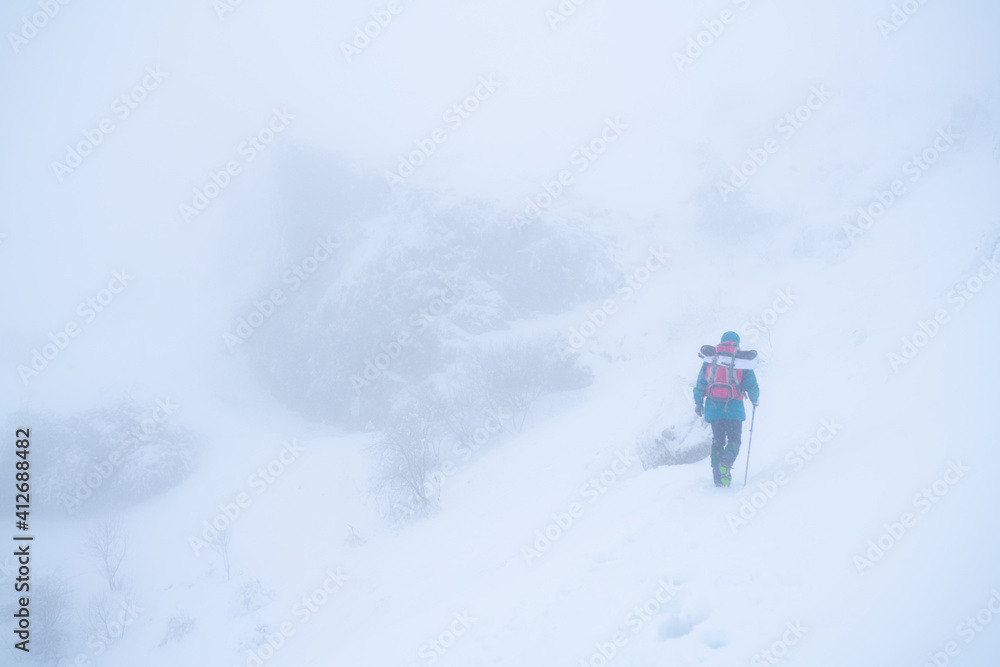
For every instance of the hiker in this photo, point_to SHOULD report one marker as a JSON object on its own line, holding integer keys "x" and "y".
{"x": 719, "y": 400}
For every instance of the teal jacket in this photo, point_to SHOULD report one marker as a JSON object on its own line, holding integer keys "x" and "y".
{"x": 717, "y": 408}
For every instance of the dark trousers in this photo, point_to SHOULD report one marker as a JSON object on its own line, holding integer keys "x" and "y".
{"x": 726, "y": 434}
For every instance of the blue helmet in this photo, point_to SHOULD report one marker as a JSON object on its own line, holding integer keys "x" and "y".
{"x": 731, "y": 337}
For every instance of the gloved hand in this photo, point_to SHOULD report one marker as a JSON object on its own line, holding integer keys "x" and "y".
{"x": 755, "y": 403}
{"x": 699, "y": 409}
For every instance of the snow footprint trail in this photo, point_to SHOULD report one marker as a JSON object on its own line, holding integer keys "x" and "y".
{"x": 713, "y": 577}
{"x": 640, "y": 582}
{"x": 734, "y": 591}
{"x": 581, "y": 591}
{"x": 657, "y": 540}
{"x": 695, "y": 586}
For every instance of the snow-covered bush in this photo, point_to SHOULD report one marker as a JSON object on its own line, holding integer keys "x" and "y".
{"x": 405, "y": 295}
{"x": 407, "y": 454}
{"x": 253, "y": 595}
{"x": 50, "y": 612}
{"x": 117, "y": 454}
{"x": 178, "y": 627}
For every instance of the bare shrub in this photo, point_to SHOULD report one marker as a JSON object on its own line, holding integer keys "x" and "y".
{"x": 221, "y": 546}
{"x": 178, "y": 627}
{"x": 407, "y": 454}
{"x": 107, "y": 541}
{"x": 50, "y": 605}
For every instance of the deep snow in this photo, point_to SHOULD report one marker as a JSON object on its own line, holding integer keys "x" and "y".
{"x": 730, "y": 590}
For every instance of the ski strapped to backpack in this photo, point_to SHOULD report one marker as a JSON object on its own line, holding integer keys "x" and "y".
{"x": 744, "y": 359}
{"x": 725, "y": 378}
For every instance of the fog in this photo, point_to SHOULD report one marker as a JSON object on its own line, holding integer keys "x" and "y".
{"x": 356, "y": 301}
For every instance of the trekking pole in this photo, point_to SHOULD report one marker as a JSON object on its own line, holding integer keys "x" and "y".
{"x": 749, "y": 444}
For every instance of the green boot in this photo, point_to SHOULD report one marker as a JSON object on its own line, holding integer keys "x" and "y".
{"x": 725, "y": 474}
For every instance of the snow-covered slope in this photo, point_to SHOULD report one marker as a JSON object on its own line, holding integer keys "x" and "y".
{"x": 729, "y": 578}
{"x": 865, "y": 535}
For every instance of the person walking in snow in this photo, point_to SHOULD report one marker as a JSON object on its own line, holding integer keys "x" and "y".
{"x": 718, "y": 397}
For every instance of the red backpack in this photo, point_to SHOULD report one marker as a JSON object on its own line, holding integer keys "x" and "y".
{"x": 725, "y": 381}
